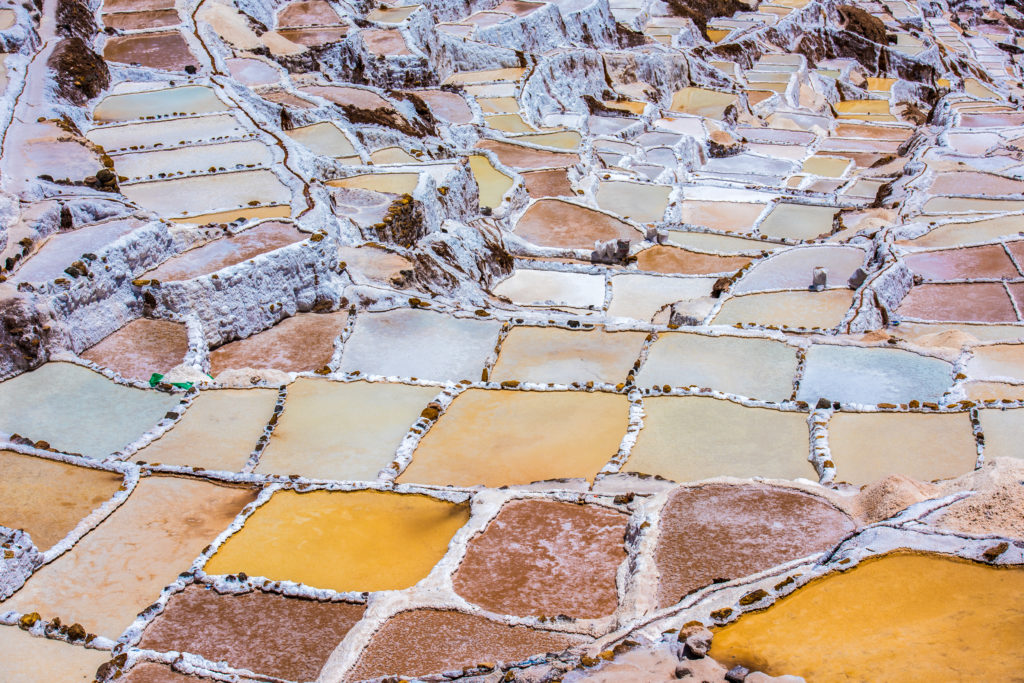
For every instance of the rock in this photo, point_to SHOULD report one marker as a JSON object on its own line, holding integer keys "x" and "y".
{"x": 611, "y": 252}
{"x": 690, "y": 312}
{"x": 697, "y": 644}
{"x": 858, "y": 278}
{"x": 80, "y": 73}
{"x": 819, "y": 279}
{"x": 721, "y": 144}
{"x": 737, "y": 674}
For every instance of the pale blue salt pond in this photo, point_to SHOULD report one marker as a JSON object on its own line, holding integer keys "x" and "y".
{"x": 851, "y": 374}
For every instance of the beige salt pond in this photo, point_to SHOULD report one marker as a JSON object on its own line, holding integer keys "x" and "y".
{"x": 208, "y": 193}
{"x": 1004, "y": 432}
{"x": 31, "y": 659}
{"x": 550, "y": 354}
{"x": 392, "y": 155}
{"x": 721, "y": 215}
{"x": 141, "y": 348}
{"x": 227, "y": 251}
{"x": 752, "y": 367}
{"x": 714, "y": 532}
{"x": 798, "y": 221}
{"x": 301, "y": 343}
{"x": 343, "y": 540}
{"x": 640, "y": 202}
{"x": 552, "y": 288}
{"x": 47, "y": 498}
{"x": 391, "y": 183}
{"x": 77, "y": 410}
{"x": 226, "y": 422}
{"x": 166, "y": 132}
{"x": 640, "y": 297}
{"x": 498, "y": 438}
{"x": 925, "y": 613}
{"x": 164, "y": 525}
{"x": 342, "y": 431}
{"x": 327, "y": 139}
{"x": 194, "y": 159}
{"x": 702, "y": 102}
{"x": 408, "y": 342}
{"x": 867, "y": 447}
{"x": 793, "y": 268}
{"x": 822, "y": 310}
{"x": 687, "y": 438}
{"x": 557, "y": 223}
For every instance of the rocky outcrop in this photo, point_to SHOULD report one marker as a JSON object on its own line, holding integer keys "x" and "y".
{"x": 79, "y": 73}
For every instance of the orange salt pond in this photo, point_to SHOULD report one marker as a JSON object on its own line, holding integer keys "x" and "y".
{"x": 226, "y": 422}
{"x": 690, "y": 438}
{"x": 120, "y": 567}
{"x": 419, "y": 642}
{"x": 556, "y": 223}
{"x": 673, "y": 260}
{"x": 974, "y": 301}
{"x": 161, "y": 50}
{"x": 301, "y": 343}
{"x": 266, "y": 633}
{"x": 540, "y": 557}
{"x": 498, "y": 438}
{"x": 141, "y": 348}
{"x": 31, "y": 659}
{"x": 939, "y": 617}
{"x": 550, "y": 354}
{"x": 721, "y": 531}
{"x": 343, "y": 540}
{"x": 48, "y": 498}
{"x": 336, "y": 430}
{"x": 867, "y": 447}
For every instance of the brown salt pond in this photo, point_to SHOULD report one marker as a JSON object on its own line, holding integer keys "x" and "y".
{"x": 141, "y": 348}
{"x": 690, "y": 438}
{"x": 265, "y": 633}
{"x": 30, "y": 659}
{"x": 131, "y": 21}
{"x": 722, "y": 531}
{"x": 162, "y": 527}
{"x": 989, "y": 261}
{"x": 301, "y": 343}
{"x": 383, "y": 42}
{"x": 553, "y": 183}
{"x": 498, "y": 438}
{"x": 218, "y": 432}
{"x": 550, "y": 354}
{"x": 148, "y": 672}
{"x": 227, "y": 251}
{"x": 445, "y": 105}
{"x": 407, "y": 342}
{"x": 823, "y": 310}
{"x": 674, "y": 260}
{"x": 867, "y": 447}
{"x": 419, "y": 642}
{"x": 348, "y": 431}
{"x": 161, "y": 50}
{"x": 519, "y": 156}
{"x": 756, "y": 368}
{"x": 343, "y": 540}
{"x": 556, "y": 223}
{"x": 974, "y": 301}
{"x": 940, "y": 617}
{"x": 47, "y": 498}
{"x": 540, "y": 557}
{"x": 307, "y": 13}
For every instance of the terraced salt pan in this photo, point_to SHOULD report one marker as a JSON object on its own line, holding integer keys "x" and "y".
{"x": 955, "y": 234}
{"x": 66, "y": 247}
{"x": 265, "y": 633}
{"x": 323, "y": 138}
{"x": 208, "y": 193}
{"x": 346, "y": 431}
{"x": 719, "y": 531}
{"x": 218, "y": 432}
{"x": 165, "y": 50}
{"x": 640, "y": 297}
{"x": 720, "y": 215}
{"x": 974, "y": 301}
{"x": 989, "y": 261}
{"x": 253, "y": 71}
{"x": 227, "y": 251}
{"x": 422, "y": 641}
{"x": 721, "y": 244}
{"x": 408, "y": 342}
{"x": 640, "y": 202}
{"x": 392, "y": 155}
{"x": 30, "y": 659}
{"x": 162, "y": 527}
{"x": 392, "y": 183}
{"x": 822, "y": 310}
{"x": 373, "y": 264}
{"x": 550, "y": 354}
{"x": 301, "y": 343}
{"x": 552, "y": 288}
{"x": 702, "y": 102}
{"x": 540, "y": 557}
{"x": 343, "y": 540}
{"x": 673, "y": 260}
{"x": 191, "y": 99}
{"x": 521, "y": 157}
{"x": 557, "y": 223}
{"x": 752, "y": 367}
{"x": 492, "y": 183}
{"x": 568, "y": 139}
{"x": 447, "y": 105}
{"x": 47, "y": 498}
{"x": 167, "y": 132}
{"x": 944, "y": 205}
{"x": 194, "y": 159}
{"x": 867, "y": 447}
{"x": 797, "y": 221}
{"x": 133, "y": 21}
{"x": 997, "y": 361}
{"x": 929, "y": 614}
{"x": 851, "y": 374}
{"x": 793, "y": 269}
{"x": 553, "y": 183}
{"x": 77, "y": 410}
{"x": 499, "y": 438}
{"x": 690, "y": 438}
{"x": 1004, "y": 432}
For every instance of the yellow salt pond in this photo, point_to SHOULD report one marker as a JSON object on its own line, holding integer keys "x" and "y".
{"x": 343, "y": 540}
{"x": 498, "y": 438}
{"x": 903, "y": 616}
{"x": 702, "y": 102}
{"x": 492, "y": 182}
